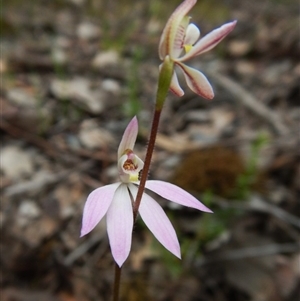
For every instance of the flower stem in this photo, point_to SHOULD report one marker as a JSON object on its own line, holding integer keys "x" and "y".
{"x": 151, "y": 144}
{"x": 164, "y": 81}
{"x": 117, "y": 281}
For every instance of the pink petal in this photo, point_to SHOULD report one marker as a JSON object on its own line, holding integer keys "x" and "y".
{"x": 129, "y": 137}
{"x": 175, "y": 194}
{"x": 96, "y": 207}
{"x": 175, "y": 87}
{"x": 171, "y": 29}
{"x": 158, "y": 222}
{"x": 197, "y": 81}
{"x": 120, "y": 224}
{"x": 192, "y": 34}
{"x": 209, "y": 41}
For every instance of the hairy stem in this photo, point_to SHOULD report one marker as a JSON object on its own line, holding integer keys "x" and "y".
{"x": 151, "y": 144}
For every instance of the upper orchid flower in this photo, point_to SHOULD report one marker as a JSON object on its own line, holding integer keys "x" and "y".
{"x": 116, "y": 200}
{"x": 180, "y": 42}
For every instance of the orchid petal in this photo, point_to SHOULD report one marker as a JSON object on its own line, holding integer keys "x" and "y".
{"x": 175, "y": 87}
{"x": 96, "y": 207}
{"x": 158, "y": 223}
{"x": 129, "y": 137}
{"x": 119, "y": 220}
{"x": 171, "y": 29}
{"x": 197, "y": 81}
{"x": 209, "y": 41}
{"x": 192, "y": 34}
{"x": 175, "y": 194}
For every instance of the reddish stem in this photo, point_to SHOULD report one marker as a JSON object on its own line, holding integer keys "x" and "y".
{"x": 117, "y": 281}
{"x": 151, "y": 144}
{"x": 164, "y": 82}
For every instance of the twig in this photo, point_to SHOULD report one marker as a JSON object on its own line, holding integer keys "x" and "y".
{"x": 249, "y": 101}
{"x": 261, "y": 205}
{"x": 37, "y": 184}
{"x": 32, "y": 138}
{"x": 82, "y": 249}
{"x": 66, "y": 155}
{"x": 251, "y": 252}
{"x": 258, "y": 204}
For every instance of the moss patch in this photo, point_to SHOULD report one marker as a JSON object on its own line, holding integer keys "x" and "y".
{"x": 215, "y": 169}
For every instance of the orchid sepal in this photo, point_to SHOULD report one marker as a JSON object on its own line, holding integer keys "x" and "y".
{"x": 129, "y": 137}
{"x": 169, "y": 33}
{"x": 209, "y": 41}
{"x": 175, "y": 194}
{"x": 93, "y": 210}
{"x": 197, "y": 81}
{"x": 175, "y": 87}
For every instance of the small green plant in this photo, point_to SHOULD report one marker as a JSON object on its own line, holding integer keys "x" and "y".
{"x": 133, "y": 104}
{"x": 246, "y": 180}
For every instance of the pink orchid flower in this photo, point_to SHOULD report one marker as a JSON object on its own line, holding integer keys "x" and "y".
{"x": 180, "y": 41}
{"x": 116, "y": 202}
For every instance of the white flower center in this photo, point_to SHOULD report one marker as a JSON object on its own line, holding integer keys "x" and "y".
{"x": 129, "y": 167}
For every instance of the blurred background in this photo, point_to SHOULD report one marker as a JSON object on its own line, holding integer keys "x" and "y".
{"x": 73, "y": 73}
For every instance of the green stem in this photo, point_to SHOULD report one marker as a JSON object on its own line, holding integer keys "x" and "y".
{"x": 117, "y": 281}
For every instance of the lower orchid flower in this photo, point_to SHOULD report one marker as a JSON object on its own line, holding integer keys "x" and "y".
{"x": 116, "y": 202}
